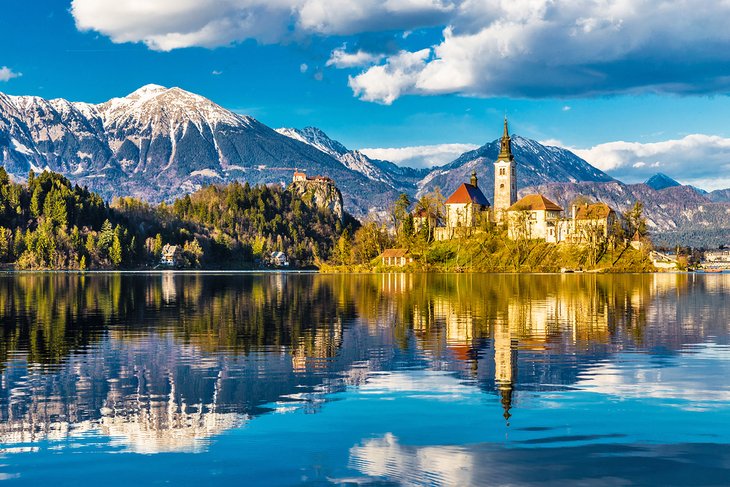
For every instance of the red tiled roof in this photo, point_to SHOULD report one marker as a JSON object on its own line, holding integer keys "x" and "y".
{"x": 534, "y": 202}
{"x": 395, "y": 252}
{"x": 596, "y": 211}
{"x": 467, "y": 193}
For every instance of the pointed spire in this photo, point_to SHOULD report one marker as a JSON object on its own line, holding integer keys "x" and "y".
{"x": 505, "y": 146}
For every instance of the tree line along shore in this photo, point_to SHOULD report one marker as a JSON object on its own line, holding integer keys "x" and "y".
{"x": 48, "y": 223}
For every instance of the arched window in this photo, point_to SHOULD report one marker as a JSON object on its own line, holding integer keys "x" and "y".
{"x": 501, "y": 186}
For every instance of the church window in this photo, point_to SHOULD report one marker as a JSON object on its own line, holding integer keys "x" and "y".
{"x": 501, "y": 186}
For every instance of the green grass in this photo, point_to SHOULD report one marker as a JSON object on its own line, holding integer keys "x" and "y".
{"x": 493, "y": 252}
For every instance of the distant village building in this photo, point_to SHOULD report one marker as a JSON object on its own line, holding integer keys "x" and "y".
{"x": 716, "y": 260}
{"x": 591, "y": 221}
{"x": 535, "y": 216}
{"x": 171, "y": 255}
{"x": 299, "y": 176}
{"x": 505, "y": 177}
{"x": 279, "y": 259}
{"x": 396, "y": 257}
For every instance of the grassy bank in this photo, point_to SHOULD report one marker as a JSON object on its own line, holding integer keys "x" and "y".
{"x": 493, "y": 252}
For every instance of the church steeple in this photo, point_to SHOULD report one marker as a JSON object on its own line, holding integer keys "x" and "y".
{"x": 505, "y": 146}
{"x": 505, "y": 177}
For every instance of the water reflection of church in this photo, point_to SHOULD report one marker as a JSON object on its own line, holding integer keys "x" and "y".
{"x": 238, "y": 346}
{"x": 486, "y": 330}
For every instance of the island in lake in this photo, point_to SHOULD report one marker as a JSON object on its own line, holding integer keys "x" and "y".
{"x": 47, "y": 222}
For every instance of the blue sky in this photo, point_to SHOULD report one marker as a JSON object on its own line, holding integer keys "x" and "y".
{"x": 623, "y": 83}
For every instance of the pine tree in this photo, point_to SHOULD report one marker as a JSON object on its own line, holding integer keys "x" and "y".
{"x": 115, "y": 253}
{"x": 106, "y": 236}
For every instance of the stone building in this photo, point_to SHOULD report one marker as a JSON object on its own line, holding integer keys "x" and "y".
{"x": 535, "y": 216}
{"x": 592, "y": 221}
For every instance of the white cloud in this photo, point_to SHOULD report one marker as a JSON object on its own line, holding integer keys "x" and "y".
{"x": 538, "y": 48}
{"x": 303, "y": 68}
{"x": 164, "y": 25}
{"x": 567, "y": 108}
{"x": 6, "y": 74}
{"x": 216, "y": 72}
{"x": 420, "y": 156}
{"x": 387, "y": 82}
{"x": 340, "y": 58}
{"x": 696, "y": 159}
{"x": 523, "y": 48}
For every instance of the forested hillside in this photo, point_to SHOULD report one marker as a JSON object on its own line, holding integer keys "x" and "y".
{"x": 49, "y": 223}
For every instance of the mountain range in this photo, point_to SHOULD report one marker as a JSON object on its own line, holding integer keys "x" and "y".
{"x": 159, "y": 143}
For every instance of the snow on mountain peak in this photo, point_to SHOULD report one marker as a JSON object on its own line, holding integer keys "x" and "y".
{"x": 163, "y": 109}
{"x": 316, "y": 138}
{"x": 146, "y": 90}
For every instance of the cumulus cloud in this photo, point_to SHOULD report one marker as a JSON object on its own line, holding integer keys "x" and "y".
{"x": 340, "y": 58}
{"x": 6, "y": 74}
{"x": 420, "y": 156}
{"x": 522, "y": 48}
{"x": 164, "y": 25}
{"x": 564, "y": 48}
{"x": 696, "y": 159}
{"x": 387, "y": 82}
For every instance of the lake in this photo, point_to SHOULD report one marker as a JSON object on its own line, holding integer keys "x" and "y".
{"x": 389, "y": 379}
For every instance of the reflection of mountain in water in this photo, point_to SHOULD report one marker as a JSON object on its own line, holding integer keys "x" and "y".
{"x": 163, "y": 362}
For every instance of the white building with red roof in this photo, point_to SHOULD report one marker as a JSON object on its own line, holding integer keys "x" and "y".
{"x": 535, "y": 216}
{"x": 463, "y": 208}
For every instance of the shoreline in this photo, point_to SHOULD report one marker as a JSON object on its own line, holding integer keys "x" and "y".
{"x": 335, "y": 272}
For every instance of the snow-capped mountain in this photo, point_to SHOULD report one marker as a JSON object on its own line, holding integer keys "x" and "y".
{"x": 536, "y": 164}
{"x": 158, "y": 143}
{"x": 316, "y": 138}
{"x": 403, "y": 179}
{"x": 661, "y": 181}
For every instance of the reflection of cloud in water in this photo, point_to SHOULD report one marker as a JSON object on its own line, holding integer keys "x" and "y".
{"x": 602, "y": 464}
{"x": 418, "y": 383}
{"x": 700, "y": 377}
{"x": 181, "y": 433}
{"x": 385, "y": 457}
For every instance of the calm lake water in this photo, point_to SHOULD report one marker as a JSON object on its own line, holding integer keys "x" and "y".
{"x": 287, "y": 379}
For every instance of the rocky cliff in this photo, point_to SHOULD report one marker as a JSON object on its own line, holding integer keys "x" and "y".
{"x": 321, "y": 194}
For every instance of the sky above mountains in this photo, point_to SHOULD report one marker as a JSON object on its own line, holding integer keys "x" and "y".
{"x": 634, "y": 86}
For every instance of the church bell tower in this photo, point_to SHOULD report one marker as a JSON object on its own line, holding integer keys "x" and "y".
{"x": 505, "y": 178}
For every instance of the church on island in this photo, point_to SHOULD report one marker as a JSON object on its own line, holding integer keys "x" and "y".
{"x": 532, "y": 217}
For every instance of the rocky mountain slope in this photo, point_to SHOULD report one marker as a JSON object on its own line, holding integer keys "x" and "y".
{"x": 536, "y": 164}
{"x": 159, "y": 143}
{"x": 661, "y": 181}
{"x": 402, "y": 179}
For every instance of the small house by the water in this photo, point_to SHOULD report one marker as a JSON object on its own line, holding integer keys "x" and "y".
{"x": 279, "y": 259}
{"x": 170, "y": 255}
{"x": 396, "y": 257}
